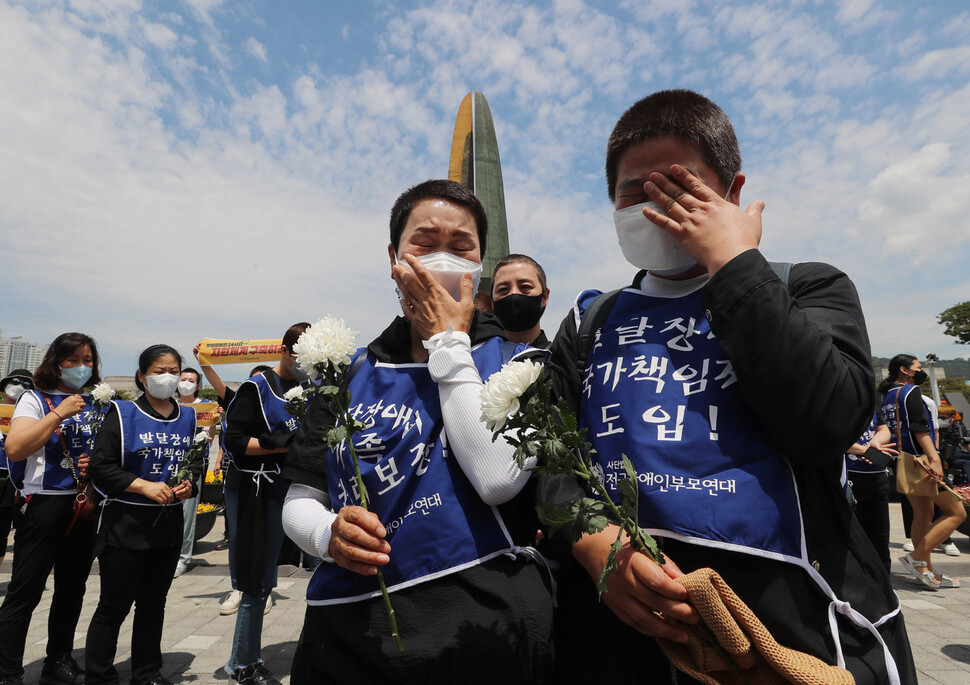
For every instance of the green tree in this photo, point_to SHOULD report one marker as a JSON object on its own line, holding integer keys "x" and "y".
{"x": 956, "y": 319}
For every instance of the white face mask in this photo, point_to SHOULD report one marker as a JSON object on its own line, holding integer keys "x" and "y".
{"x": 648, "y": 246}
{"x": 161, "y": 386}
{"x": 187, "y": 387}
{"x": 13, "y": 391}
{"x": 448, "y": 269}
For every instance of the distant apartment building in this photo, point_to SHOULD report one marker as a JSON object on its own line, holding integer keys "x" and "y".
{"x": 17, "y": 353}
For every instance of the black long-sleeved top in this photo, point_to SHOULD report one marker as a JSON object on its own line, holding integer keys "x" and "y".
{"x": 244, "y": 420}
{"x": 802, "y": 359}
{"x": 124, "y": 525}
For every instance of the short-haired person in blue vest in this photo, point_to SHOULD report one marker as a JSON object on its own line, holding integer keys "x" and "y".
{"x": 907, "y": 416}
{"x": 139, "y": 447}
{"x": 258, "y": 434}
{"x": 451, "y": 522}
{"x": 46, "y": 420}
{"x": 735, "y": 389}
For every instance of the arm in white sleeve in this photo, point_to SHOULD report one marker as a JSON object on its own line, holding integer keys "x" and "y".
{"x": 489, "y": 466}
{"x": 307, "y": 520}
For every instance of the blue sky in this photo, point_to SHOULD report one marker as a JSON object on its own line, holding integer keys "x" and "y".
{"x": 176, "y": 170}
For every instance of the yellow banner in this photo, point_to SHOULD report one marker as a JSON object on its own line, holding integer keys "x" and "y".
{"x": 206, "y": 413}
{"x": 6, "y": 411}
{"x": 239, "y": 351}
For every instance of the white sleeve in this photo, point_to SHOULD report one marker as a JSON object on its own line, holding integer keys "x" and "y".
{"x": 307, "y": 520}
{"x": 28, "y": 404}
{"x": 489, "y": 466}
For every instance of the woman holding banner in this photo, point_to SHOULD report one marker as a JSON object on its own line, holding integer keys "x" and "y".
{"x": 46, "y": 448}
{"x": 258, "y": 435}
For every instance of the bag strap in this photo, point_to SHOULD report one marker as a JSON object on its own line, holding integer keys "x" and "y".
{"x": 82, "y": 483}
{"x": 593, "y": 319}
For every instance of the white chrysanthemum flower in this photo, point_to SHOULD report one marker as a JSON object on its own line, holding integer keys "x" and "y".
{"x": 500, "y": 395}
{"x": 294, "y": 393}
{"x": 201, "y": 436}
{"x": 102, "y": 393}
{"x": 328, "y": 340}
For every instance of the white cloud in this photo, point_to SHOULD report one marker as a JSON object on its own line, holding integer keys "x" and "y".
{"x": 256, "y": 49}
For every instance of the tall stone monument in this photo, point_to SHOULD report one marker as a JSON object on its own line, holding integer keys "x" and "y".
{"x": 475, "y": 163}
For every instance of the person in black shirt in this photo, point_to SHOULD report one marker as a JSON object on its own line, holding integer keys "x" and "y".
{"x": 258, "y": 434}
{"x": 140, "y": 446}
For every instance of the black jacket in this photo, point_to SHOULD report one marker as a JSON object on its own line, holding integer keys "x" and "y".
{"x": 802, "y": 359}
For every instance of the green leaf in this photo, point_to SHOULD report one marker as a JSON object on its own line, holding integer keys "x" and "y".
{"x": 610, "y": 563}
{"x": 629, "y": 491}
{"x": 328, "y": 389}
{"x": 554, "y": 516}
{"x": 336, "y": 435}
{"x": 568, "y": 418}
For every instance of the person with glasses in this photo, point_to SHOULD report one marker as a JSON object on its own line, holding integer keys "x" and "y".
{"x": 47, "y": 453}
{"x": 12, "y": 387}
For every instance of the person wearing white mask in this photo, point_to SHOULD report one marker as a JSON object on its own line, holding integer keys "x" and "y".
{"x": 259, "y": 431}
{"x": 12, "y": 386}
{"x": 446, "y": 522}
{"x": 140, "y": 446}
{"x": 189, "y": 383}
{"x": 696, "y": 372}
{"x": 47, "y": 422}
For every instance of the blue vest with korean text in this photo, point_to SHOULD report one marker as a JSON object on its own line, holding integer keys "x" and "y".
{"x": 854, "y": 463}
{"x": 50, "y": 474}
{"x": 152, "y": 448}
{"x": 896, "y": 397}
{"x": 659, "y": 388}
{"x": 435, "y": 521}
{"x": 274, "y": 414}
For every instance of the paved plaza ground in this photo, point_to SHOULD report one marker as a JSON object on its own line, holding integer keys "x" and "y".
{"x": 197, "y": 639}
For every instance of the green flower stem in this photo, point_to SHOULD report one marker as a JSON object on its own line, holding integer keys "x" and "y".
{"x": 380, "y": 575}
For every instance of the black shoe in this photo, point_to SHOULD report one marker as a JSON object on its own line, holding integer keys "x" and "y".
{"x": 255, "y": 674}
{"x": 61, "y": 671}
{"x": 11, "y": 680}
{"x": 158, "y": 679}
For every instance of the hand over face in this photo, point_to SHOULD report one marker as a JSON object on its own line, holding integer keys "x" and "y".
{"x": 711, "y": 229}
{"x": 427, "y": 305}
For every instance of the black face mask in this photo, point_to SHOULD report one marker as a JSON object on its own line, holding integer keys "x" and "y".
{"x": 919, "y": 377}
{"x": 518, "y": 312}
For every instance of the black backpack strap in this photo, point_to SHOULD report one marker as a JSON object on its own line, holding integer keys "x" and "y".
{"x": 355, "y": 365}
{"x": 593, "y": 319}
{"x": 782, "y": 270}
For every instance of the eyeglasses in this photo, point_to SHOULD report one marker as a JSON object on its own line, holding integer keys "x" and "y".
{"x": 28, "y": 385}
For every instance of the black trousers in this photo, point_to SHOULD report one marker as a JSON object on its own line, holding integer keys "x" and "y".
{"x": 39, "y": 546}
{"x": 488, "y": 624}
{"x": 129, "y": 576}
{"x": 871, "y": 492}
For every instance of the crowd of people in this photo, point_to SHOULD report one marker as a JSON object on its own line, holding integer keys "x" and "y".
{"x": 680, "y": 370}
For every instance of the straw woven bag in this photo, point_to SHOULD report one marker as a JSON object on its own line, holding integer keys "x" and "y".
{"x": 755, "y": 653}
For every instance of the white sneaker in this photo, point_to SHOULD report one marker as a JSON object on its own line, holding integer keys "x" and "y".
{"x": 230, "y": 605}
{"x": 949, "y": 549}
{"x": 908, "y": 546}
{"x": 270, "y": 603}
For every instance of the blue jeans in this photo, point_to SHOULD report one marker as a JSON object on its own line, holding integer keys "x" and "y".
{"x": 231, "y": 499}
{"x": 247, "y": 639}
